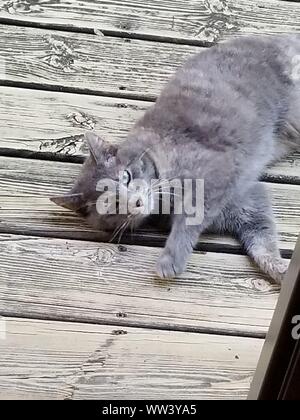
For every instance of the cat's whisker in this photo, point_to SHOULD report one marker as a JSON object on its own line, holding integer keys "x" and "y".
{"x": 166, "y": 193}
{"x": 92, "y": 203}
{"x": 166, "y": 179}
{"x": 132, "y": 227}
{"x": 161, "y": 184}
{"x": 128, "y": 223}
{"x": 116, "y": 231}
{"x": 74, "y": 195}
{"x": 133, "y": 224}
{"x": 123, "y": 230}
{"x": 162, "y": 189}
{"x": 143, "y": 153}
{"x": 140, "y": 156}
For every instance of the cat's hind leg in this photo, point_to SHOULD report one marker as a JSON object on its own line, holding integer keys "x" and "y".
{"x": 289, "y": 131}
{"x": 250, "y": 219}
{"x": 289, "y": 135}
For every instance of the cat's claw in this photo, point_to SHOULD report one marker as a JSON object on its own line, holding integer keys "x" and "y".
{"x": 167, "y": 267}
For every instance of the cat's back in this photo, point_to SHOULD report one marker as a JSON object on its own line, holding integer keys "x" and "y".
{"x": 244, "y": 81}
{"x": 257, "y": 64}
{"x": 230, "y": 97}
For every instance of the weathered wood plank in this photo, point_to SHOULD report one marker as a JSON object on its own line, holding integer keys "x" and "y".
{"x": 100, "y": 64}
{"x": 95, "y": 282}
{"x": 54, "y": 123}
{"x": 26, "y": 185}
{"x": 57, "y": 360}
{"x": 288, "y": 169}
{"x": 183, "y": 20}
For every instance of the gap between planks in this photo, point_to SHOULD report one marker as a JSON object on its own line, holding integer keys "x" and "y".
{"x": 189, "y": 21}
{"x": 43, "y": 87}
{"x": 119, "y": 324}
{"x": 59, "y": 360}
{"x": 106, "y": 284}
{"x": 29, "y": 130}
{"x": 26, "y": 185}
{"x": 132, "y": 35}
{"x": 70, "y": 62}
{"x": 106, "y": 32}
{"x": 60, "y": 60}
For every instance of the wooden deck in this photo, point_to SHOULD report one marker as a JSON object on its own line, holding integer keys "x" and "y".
{"x": 82, "y": 319}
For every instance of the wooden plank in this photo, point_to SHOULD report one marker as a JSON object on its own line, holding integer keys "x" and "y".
{"x": 99, "y": 64}
{"x": 94, "y": 282}
{"x": 287, "y": 170}
{"x": 26, "y": 185}
{"x": 54, "y": 360}
{"x": 53, "y": 123}
{"x": 182, "y": 21}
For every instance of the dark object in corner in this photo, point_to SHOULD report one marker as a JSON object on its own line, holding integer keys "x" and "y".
{"x": 278, "y": 373}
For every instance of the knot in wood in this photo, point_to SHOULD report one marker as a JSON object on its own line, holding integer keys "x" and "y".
{"x": 61, "y": 55}
{"x": 21, "y": 7}
{"x": 83, "y": 120}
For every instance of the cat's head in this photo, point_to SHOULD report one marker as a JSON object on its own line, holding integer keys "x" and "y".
{"x": 114, "y": 187}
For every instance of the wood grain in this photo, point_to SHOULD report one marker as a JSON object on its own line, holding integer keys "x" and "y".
{"x": 287, "y": 170}
{"x": 102, "y": 65}
{"x": 55, "y": 360}
{"x": 26, "y": 185}
{"x": 87, "y": 282}
{"x": 53, "y": 124}
{"x": 206, "y": 21}
{"x": 96, "y": 282}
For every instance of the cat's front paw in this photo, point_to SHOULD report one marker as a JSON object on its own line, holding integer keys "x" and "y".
{"x": 168, "y": 267}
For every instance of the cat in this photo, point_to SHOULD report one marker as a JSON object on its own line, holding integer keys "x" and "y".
{"x": 225, "y": 115}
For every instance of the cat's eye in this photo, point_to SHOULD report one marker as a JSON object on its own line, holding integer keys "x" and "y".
{"x": 126, "y": 178}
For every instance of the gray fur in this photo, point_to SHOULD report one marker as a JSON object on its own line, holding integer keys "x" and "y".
{"x": 224, "y": 116}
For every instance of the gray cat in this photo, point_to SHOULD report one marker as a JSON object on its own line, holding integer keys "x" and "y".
{"x": 224, "y": 116}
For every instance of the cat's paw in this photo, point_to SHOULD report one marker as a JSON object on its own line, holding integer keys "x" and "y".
{"x": 168, "y": 267}
{"x": 276, "y": 268}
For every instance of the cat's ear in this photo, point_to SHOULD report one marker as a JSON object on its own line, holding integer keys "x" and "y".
{"x": 101, "y": 151}
{"x": 96, "y": 146}
{"x": 69, "y": 201}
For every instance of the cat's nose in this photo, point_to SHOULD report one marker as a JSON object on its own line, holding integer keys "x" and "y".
{"x": 139, "y": 203}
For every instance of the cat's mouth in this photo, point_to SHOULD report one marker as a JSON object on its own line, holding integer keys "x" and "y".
{"x": 115, "y": 224}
